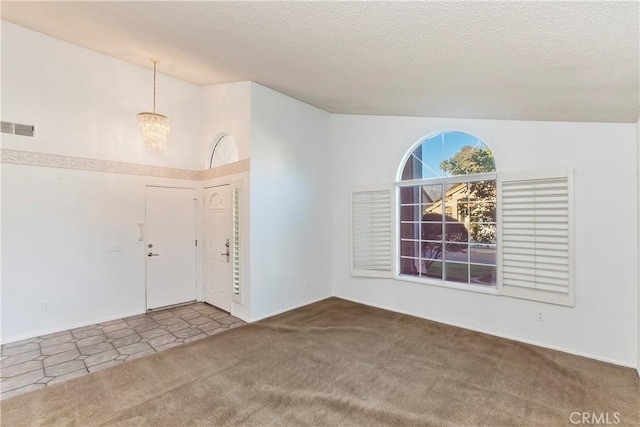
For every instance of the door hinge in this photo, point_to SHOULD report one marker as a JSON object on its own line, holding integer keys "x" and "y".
{"x": 196, "y": 242}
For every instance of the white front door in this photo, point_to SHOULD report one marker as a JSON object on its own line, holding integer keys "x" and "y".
{"x": 170, "y": 246}
{"x": 217, "y": 235}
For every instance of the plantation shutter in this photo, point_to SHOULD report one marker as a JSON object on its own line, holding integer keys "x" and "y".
{"x": 537, "y": 236}
{"x": 235, "y": 237}
{"x": 372, "y": 233}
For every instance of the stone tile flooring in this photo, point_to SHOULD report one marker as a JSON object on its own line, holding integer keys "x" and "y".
{"x": 38, "y": 362}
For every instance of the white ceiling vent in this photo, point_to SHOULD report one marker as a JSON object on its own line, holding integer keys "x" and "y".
{"x": 18, "y": 129}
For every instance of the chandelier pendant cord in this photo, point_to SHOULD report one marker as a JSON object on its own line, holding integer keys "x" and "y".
{"x": 155, "y": 63}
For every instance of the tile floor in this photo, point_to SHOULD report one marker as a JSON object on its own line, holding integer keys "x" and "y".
{"x": 37, "y": 362}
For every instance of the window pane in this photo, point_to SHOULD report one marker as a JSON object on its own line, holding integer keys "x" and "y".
{"x": 409, "y": 195}
{"x": 456, "y": 252}
{"x": 431, "y": 193}
{"x": 456, "y": 232}
{"x": 458, "y": 212}
{"x": 448, "y": 154}
{"x": 432, "y": 231}
{"x": 410, "y": 249}
{"x": 482, "y": 212}
{"x": 410, "y": 213}
{"x": 482, "y": 191}
{"x": 483, "y": 254}
{"x": 410, "y": 230}
{"x": 483, "y": 274}
{"x": 482, "y": 233}
{"x": 432, "y": 212}
{"x": 413, "y": 167}
{"x": 432, "y": 269}
{"x": 431, "y": 153}
{"x": 457, "y": 272}
{"x": 466, "y": 155}
{"x": 431, "y": 250}
{"x": 409, "y": 266}
{"x": 456, "y": 202}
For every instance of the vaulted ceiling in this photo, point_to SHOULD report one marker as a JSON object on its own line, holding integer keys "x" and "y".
{"x": 573, "y": 61}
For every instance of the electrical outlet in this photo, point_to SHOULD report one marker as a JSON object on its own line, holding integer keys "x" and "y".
{"x": 45, "y": 305}
{"x": 540, "y": 315}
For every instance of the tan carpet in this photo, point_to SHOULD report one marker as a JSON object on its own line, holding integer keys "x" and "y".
{"x": 339, "y": 363}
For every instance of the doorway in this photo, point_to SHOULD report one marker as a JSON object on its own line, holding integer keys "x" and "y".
{"x": 217, "y": 254}
{"x": 170, "y": 246}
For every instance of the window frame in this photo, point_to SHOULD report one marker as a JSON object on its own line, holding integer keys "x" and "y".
{"x": 485, "y": 289}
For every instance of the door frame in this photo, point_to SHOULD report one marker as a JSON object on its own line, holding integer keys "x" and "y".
{"x": 198, "y": 231}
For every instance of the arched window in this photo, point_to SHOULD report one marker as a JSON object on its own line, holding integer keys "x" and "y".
{"x": 223, "y": 151}
{"x": 447, "y": 213}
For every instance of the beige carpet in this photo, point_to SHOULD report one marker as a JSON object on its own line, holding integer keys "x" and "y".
{"x": 339, "y": 363}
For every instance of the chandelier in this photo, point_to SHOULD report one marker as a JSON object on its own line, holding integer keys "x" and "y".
{"x": 154, "y": 127}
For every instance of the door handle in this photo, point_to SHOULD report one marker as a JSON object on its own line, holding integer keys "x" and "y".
{"x": 227, "y": 245}
{"x": 152, "y": 254}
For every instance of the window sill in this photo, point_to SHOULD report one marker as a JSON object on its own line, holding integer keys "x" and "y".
{"x": 489, "y": 290}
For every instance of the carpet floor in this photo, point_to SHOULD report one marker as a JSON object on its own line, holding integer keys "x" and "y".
{"x": 340, "y": 363}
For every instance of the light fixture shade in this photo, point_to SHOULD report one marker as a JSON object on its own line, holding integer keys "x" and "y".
{"x": 155, "y": 128}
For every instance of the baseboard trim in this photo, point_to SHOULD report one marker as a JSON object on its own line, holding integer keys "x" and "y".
{"x": 241, "y": 317}
{"x": 72, "y": 326}
{"x": 484, "y": 331}
{"x": 275, "y": 313}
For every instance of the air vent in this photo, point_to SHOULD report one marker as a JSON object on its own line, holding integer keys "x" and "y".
{"x": 7, "y": 127}
{"x": 18, "y": 129}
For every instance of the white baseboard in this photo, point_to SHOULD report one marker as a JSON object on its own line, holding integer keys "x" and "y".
{"x": 241, "y": 317}
{"x": 72, "y": 326}
{"x": 509, "y": 337}
{"x": 275, "y": 313}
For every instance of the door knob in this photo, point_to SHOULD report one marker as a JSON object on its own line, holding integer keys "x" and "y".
{"x": 152, "y": 254}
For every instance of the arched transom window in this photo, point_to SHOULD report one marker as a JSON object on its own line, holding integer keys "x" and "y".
{"x": 447, "y": 212}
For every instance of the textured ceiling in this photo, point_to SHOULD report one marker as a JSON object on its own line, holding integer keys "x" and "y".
{"x": 574, "y": 61}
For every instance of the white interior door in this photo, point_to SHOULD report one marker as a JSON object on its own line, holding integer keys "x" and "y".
{"x": 170, "y": 246}
{"x": 217, "y": 235}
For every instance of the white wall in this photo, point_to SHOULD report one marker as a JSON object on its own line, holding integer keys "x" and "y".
{"x": 57, "y": 229}
{"x": 638, "y": 174}
{"x": 58, "y": 224}
{"x": 290, "y": 203}
{"x": 368, "y": 150}
{"x": 84, "y": 103}
{"x": 226, "y": 108}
